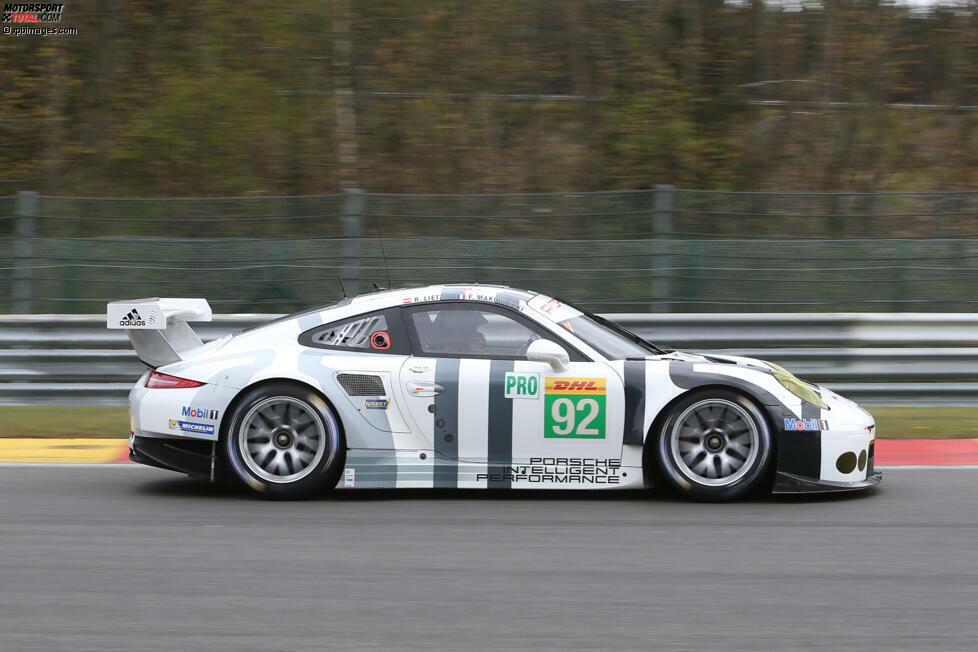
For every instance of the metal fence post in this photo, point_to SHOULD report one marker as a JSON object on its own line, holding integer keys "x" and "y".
{"x": 353, "y": 210}
{"x": 662, "y": 199}
{"x": 23, "y": 290}
{"x": 483, "y": 255}
{"x": 900, "y": 288}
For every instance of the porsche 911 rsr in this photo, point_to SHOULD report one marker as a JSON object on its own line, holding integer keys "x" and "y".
{"x": 475, "y": 386}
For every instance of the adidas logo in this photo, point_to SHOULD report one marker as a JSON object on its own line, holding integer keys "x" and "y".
{"x": 132, "y": 319}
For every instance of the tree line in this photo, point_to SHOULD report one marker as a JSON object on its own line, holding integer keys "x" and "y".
{"x": 160, "y": 98}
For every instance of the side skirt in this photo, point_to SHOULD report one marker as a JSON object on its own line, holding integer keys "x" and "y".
{"x": 377, "y": 469}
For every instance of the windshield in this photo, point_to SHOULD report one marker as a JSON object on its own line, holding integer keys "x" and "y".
{"x": 608, "y": 338}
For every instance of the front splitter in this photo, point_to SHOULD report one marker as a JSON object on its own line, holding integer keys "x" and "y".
{"x": 788, "y": 483}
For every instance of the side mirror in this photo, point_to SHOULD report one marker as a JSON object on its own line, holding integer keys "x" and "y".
{"x": 549, "y": 352}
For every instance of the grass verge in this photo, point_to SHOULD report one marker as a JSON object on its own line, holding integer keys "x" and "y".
{"x": 66, "y": 421}
{"x": 901, "y": 422}
{"x": 63, "y": 421}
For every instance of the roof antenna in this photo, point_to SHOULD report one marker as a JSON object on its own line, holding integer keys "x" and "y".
{"x": 343, "y": 289}
{"x": 377, "y": 288}
{"x": 380, "y": 236}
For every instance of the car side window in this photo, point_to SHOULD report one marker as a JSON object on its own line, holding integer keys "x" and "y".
{"x": 469, "y": 330}
{"x": 377, "y": 332}
{"x": 369, "y": 332}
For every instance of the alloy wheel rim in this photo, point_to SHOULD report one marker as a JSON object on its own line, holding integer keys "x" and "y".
{"x": 282, "y": 439}
{"x": 715, "y": 442}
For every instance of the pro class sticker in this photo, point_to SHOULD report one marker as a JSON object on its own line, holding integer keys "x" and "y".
{"x": 574, "y": 408}
{"x": 522, "y": 385}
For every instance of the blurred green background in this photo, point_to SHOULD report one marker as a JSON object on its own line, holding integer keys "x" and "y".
{"x": 216, "y": 98}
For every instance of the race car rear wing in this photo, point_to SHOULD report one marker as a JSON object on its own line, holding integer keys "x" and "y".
{"x": 158, "y": 328}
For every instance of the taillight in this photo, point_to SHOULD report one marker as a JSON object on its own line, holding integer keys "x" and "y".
{"x": 157, "y": 380}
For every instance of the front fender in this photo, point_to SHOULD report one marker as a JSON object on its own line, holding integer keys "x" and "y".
{"x": 798, "y": 452}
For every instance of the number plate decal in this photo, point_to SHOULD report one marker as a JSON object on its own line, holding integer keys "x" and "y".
{"x": 574, "y": 408}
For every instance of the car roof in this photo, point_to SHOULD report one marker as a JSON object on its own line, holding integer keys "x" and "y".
{"x": 443, "y": 292}
{"x": 381, "y": 299}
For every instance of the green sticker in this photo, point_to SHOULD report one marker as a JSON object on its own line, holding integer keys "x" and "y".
{"x": 574, "y": 408}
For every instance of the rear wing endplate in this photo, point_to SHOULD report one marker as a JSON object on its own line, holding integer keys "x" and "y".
{"x": 158, "y": 327}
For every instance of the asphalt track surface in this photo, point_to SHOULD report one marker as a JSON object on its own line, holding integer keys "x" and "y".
{"x": 131, "y": 558}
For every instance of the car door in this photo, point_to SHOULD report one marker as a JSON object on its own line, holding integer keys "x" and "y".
{"x": 474, "y": 395}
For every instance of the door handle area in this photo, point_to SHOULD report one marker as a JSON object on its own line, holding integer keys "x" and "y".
{"x": 424, "y": 388}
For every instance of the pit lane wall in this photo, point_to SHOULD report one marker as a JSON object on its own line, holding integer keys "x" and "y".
{"x": 874, "y": 358}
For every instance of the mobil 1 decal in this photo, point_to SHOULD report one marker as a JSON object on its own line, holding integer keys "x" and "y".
{"x": 574, "y": 408}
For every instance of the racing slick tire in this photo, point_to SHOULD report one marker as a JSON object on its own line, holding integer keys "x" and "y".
{"x": 284, "y": 441}
{"x": 714, "y": 445}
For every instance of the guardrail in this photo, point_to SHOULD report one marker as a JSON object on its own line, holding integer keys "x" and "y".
{"x": 875, "y": 358}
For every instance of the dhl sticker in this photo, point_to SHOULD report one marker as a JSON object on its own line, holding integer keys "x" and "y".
{"x": 577, "y": 386}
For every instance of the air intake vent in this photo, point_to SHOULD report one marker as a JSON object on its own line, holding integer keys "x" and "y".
{"x": 361, "y": 384}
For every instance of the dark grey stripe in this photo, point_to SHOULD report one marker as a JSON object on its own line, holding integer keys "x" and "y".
{"x": 800, "y": 451}
{"x": 813, "y": 456}
{"x": 446, "y": 414}
{"x": 809, "y": 411}
{"x": 500, "y": 424}
{"x": 634, "y": 402}
{"x": 682, "y": 374}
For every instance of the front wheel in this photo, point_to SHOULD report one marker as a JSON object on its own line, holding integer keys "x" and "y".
{"x": 284, "y": 442}
{"x": 714, "y": 445}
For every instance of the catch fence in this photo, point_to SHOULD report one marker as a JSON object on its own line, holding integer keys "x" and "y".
{"x": 656, "y": 251}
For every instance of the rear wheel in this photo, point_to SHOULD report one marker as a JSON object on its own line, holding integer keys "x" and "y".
{"x": 714, "y": 445}
{"x": 285, "y": 442}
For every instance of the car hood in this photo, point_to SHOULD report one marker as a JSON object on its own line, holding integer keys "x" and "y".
{"x": 715, "y": 358}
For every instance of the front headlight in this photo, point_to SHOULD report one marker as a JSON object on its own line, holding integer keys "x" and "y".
{"x": 797, "y": 387}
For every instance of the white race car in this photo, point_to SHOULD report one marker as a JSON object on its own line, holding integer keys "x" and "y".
{"x": 475, "y": 386}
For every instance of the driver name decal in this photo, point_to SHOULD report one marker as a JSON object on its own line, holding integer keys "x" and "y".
{"x": 574, "y": 408}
